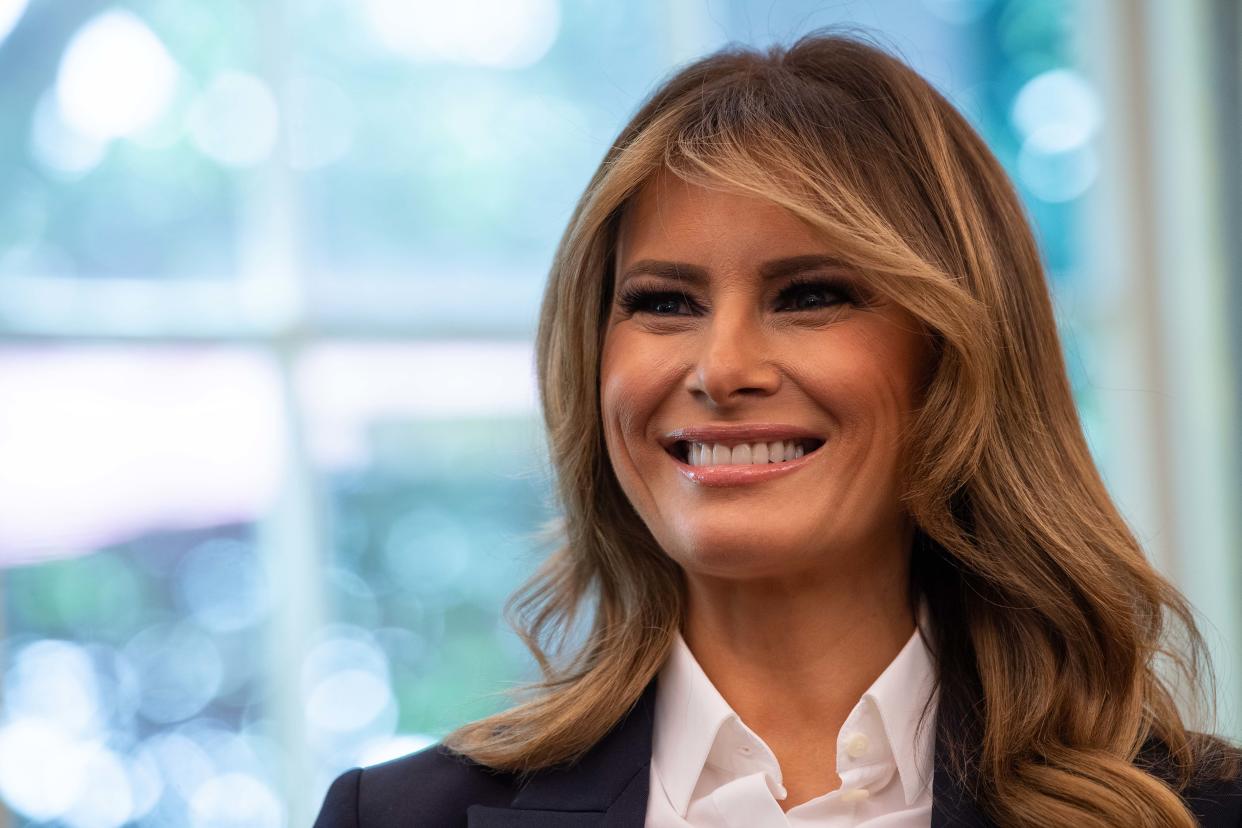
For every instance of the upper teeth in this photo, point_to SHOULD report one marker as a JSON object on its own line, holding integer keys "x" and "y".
{"x": 718, "y": 454}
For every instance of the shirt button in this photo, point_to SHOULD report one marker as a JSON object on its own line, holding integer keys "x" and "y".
{"x": 856, "y": 745}
{"x": 855, "y": 795}
{"x": 744, "y": 750}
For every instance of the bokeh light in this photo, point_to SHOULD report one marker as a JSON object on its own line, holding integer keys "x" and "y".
{"x": 1056, "y": 111}
{"x": 115, "y": 77}
{"x": 235, "y": 800}
{"x": 106, "y": 798}
{"x": 235, "y": 121}
{"x": 224, "y": 586}
{"x": 1058, "y": 176}
{"x": 42, "y": 769}
{"x": 508, "y": 34}
{"x": 346, "y": 687}
{"x": 59, "y": 147}
{"x": 54, "y": 681}
{"x": 10, "y": 14}
{"x": 179, "y": 668}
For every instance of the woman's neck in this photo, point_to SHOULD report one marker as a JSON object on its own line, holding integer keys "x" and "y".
{"x": 793, "y": 659}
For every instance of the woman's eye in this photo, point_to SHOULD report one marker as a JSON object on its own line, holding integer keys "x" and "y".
{"x": 813, "y": 296}
{"x": 653, "y": 302}
{"x": 665, "y": 306}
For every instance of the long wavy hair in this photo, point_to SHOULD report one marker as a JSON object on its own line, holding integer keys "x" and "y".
{"x": 1060, "y": 651}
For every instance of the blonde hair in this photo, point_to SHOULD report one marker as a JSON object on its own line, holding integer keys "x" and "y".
{"x": 1050, "y": 625}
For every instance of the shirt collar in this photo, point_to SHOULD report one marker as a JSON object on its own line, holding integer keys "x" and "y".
{"x": 900, "y": 694}
{"x": 691, "y": 717}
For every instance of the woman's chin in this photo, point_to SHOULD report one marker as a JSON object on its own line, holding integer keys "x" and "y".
{"x": 737, "y": 555}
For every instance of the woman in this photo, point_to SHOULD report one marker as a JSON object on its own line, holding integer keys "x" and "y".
{"x": 825, "y": 489}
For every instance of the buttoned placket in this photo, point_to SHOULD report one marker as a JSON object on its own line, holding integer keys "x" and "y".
{"x": 865, "y": 759}
{"x": 865, "y": 764}
{"x": 749, "y": 799}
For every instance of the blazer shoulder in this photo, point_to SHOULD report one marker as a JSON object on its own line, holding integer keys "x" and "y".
{"x": 1214, "y": 794}
{"x": 1216, "y": 798}
{"x": 433, "y": 786}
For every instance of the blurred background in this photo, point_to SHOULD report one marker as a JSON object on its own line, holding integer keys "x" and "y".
{"x": 269, "y": 273}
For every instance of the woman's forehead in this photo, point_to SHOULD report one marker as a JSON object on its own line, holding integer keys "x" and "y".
{"x": 669, "y": 215}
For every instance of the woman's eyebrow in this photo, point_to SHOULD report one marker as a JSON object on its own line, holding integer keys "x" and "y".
{"x": 696, "y": 274}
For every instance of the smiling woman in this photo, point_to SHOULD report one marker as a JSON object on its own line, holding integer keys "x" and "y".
{"x": 826, "y": 492}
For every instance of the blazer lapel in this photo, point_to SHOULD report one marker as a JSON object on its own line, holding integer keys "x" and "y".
{"x": 952, "y": 805}
{"x": 606, "y": 788}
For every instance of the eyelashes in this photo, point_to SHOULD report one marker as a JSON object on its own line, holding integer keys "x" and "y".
{"x": 830, "y": 293}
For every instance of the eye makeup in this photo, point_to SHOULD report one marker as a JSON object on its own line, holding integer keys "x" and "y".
{"x": 635, "y": 299}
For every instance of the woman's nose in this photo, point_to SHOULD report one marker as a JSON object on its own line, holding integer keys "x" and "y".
{"x": 734, "y": 362}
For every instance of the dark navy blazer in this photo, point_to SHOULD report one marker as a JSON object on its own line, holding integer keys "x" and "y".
{"x": 607, "y": 788}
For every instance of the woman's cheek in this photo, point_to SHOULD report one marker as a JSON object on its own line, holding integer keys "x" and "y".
{"x": 626, "y": 405}
{"x": 636, "y": 377}
{"x": 620, "y": 404}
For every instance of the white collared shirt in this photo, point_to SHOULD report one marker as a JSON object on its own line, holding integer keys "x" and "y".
{"x": 709, "y": 770}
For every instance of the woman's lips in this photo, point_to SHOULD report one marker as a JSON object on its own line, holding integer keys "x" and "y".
{"x": 739, "y": 475}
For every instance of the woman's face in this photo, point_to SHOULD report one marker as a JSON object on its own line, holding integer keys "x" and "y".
{"x": 732, "y": 339}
